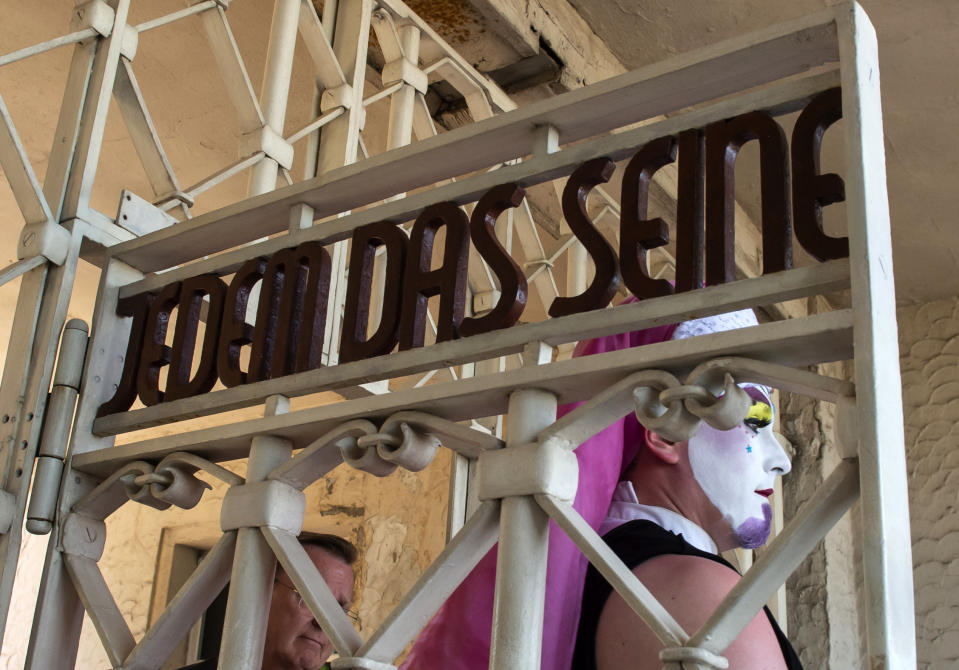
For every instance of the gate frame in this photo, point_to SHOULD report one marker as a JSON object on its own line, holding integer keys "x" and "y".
{"x": 92, "y": 483}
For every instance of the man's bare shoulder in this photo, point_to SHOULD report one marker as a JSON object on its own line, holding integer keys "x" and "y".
{"x": 690, "y": 588}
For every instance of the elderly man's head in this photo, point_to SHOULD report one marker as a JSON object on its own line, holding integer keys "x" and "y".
{"x": 294, "y": 640}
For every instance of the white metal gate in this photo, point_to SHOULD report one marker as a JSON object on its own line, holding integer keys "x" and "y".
{"x": 777, "y": 70}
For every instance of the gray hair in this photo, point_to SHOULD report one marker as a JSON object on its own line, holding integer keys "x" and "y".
{"x": 333, "y": 544}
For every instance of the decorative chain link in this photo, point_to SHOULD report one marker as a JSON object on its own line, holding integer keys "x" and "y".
{"x": 675, "y": 410}
{"x": 153, "y": 478}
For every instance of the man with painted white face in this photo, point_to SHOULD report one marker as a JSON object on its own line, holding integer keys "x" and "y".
{"x": 677, "y": 506}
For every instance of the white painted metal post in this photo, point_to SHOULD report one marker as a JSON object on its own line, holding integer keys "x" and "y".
{"x": 92, "y": 125}
{"x": 42, "y": 304}
{"x": 524, "y": 535}
{"x": 41, "y": 312}
{"x": 329, "y": 17}
{"x": 276, "y": 87}
{"x": 577, "y": 268}
{"x": 339, "y": 139}
{"x": 254, "y": 566}
{"x": 399, "y": 134}
{"x": 401, "y": 103}
{"x": 886, "y": 548}
{"x": 58, "y": 615}
{"x": 38, "y": 320}
{"x": 68, "y": 126}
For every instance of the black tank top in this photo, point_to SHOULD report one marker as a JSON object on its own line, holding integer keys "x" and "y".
{"x": 635, "y": 542}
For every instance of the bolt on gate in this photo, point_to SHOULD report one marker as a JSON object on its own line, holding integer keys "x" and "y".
{"x": 358, "y": 235}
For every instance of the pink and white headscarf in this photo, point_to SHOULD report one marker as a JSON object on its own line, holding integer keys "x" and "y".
{"x": 458, "y": 636}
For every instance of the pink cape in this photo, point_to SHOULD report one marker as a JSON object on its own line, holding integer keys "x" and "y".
{"x": 458, "y": 636}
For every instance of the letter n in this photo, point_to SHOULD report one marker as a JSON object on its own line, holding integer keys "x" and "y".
{"x": 724, "y": 139}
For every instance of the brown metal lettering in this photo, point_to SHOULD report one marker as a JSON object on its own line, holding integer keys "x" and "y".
{"x": 155, "y": 353}
{"x": 192, "y": 291}
{"x": 813, "y": 191}
{"x": 724, "y": 139}
{"x": 354, "y": 343}
{"x": 291, "y": 317}
{"x": 235, "y": 332}
{"x": 136, "y": 306}
{"x": 512, "y": 281}
{"x": 689, "y": 212}
{"x": 447, "y": 281}
{"x": 637, "y": 234}
{"x": 289, "y": 329}
{"x": 606, "y": 279}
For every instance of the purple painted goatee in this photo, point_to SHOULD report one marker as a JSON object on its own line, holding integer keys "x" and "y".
{"x": 754, "y": 532}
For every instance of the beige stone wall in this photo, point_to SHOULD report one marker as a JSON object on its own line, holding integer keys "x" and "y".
{"x": 929, "y": 356}
{"x": 825, "y": 613}
{"x": 824, "y": 609}
{"x": 20, "y": 617}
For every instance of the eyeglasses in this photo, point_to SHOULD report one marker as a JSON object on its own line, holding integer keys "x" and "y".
{"x": 352, "y": 614}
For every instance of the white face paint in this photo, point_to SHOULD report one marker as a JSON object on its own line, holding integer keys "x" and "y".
{"x": 737, "y": 469}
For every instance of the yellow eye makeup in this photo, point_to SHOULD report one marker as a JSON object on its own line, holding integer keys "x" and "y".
{"x": 759, "y": 416}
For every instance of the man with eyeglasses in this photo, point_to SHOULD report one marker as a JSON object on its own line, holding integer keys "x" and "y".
{"x": 294, "y": 640}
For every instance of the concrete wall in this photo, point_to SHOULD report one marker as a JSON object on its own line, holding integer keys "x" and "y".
{"x": 929, "y": 353}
